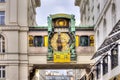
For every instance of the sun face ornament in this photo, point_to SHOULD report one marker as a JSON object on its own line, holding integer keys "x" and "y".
{"x": 63, "y": 41}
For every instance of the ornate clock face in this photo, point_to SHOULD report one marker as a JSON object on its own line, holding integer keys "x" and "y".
{"x": 62, "y": 40}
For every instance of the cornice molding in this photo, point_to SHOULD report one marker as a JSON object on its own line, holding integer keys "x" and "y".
{"x": 13, "y": 28}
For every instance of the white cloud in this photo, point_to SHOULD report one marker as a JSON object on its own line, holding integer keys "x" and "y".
{"x": 56, "y": 6}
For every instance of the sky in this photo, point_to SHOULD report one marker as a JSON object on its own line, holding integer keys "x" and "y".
{"x": 56, "y": 6}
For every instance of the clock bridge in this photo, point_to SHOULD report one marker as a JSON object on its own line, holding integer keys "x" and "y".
{"x": 61, "y": 44}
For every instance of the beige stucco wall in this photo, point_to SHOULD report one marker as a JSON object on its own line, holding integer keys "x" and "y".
{"x": 15, "y": 31}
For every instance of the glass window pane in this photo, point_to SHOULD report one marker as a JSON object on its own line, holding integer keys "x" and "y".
{"x": 2, "y": 20}
{"x": 84, "y": 41}
{"x": 2, "y": 13}
{"x": 114, "y": 57}
{"x": 2, "y": 17}
{"x": 35, "y": 41}
{"x": 2, "y": 0}
{"x": 3, "y": 74}
{"x": 41, "y": 41}
{"x": 38, "y": 41}
{"x": 105, "y": 65}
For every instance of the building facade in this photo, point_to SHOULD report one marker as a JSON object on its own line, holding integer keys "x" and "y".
{"x": 15, "y": 18}
{"x": 24, "y": 46}
{"x": 104, "y": 16}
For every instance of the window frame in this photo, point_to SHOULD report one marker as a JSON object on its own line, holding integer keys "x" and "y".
{"x": 38, "y": 37}
{"x": 98, "y": 70}
{"x": 2, "y": 18}
{"x": 88, "y": 40}
{"x": 3, "y": 72}
{"x": 113, "y": 14}
{"x": 105, "y": 65}
{"x": 2, "y": 1}
{"x": 114, "y": 57}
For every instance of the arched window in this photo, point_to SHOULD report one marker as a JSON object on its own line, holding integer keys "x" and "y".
{"x": 113, "y": 14}
{"x": 2, "y": 44}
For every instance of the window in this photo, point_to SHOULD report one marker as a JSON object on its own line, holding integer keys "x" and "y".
{"x": 113, "y": 14}
{"x": 87, "y": 40}
{"x": 2, "y": 44}
{"x": 98, "y": 38}
{"x": 93, "y": 19}
{"x": 104, "y": 28}
{"x": 98, "y": 9}
{"x": 2, "y": 17}
{"x": 2, "y": 71}
{"x": 98, "y": 70}
{"x": 105, "y": 65}
{"x": 114, "y": 57}
{"x": 84, "y": 41}
{"x": 2, "y": 0}
{"x": 37, "y": 41}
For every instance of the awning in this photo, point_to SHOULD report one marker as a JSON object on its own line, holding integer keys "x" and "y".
{"x": 103, "y": 50}
{"x": 109, "y": 42}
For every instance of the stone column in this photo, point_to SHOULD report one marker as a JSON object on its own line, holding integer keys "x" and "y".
{"x": 109, "y": 63}
{"x": 23, "y": 72}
